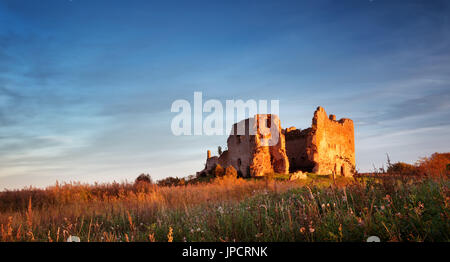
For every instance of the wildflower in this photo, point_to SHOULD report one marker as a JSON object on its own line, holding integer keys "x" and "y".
{"x": 360, "y": 221}
{"x": 419, "y": 208}
{"x": 302, "y": 230}
{"x": 151, "y": 237}
{"x": 382, "y": 207}
{"x": 311, "y": 230}
{"x": 170, "y": 235}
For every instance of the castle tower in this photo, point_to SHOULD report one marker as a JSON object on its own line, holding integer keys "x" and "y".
{"x": 334, "y": 144}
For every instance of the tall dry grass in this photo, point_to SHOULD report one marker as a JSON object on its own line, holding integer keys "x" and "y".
{"x": 75, "y": 208}
{"x": 229, "y": 209}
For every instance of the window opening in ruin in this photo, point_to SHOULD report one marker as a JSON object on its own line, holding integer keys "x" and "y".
{"x": 239, "y": 162}
{"x": 342, "y": 170}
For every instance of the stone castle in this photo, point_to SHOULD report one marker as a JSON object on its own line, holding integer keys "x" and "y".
{"x": 327, "y": 147}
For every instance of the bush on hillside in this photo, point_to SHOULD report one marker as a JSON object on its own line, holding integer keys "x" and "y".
{"x": 144, "y": 178}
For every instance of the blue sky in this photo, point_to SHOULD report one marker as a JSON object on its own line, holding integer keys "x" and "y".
{"x": 86, "y": 87}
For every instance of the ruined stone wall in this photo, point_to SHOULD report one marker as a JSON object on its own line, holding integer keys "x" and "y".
{"x": 298, "y": 149}
{"x": 240, "y": 149}
{"x": 333, "y": 144}
{"x": 268, "y": 157}
{"x": 211, "y": 163}
{"x": 249, "y": 155}
{"x": 328, "y": 147}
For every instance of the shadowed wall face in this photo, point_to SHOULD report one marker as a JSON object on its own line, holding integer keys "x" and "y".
{"x": 298, "y": 149}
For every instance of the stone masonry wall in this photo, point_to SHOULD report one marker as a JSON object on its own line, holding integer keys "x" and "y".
{"x": 240, "y": 149}
{"x": 298, "y": 149}
{"x": 273, "y": 158}
{"x": 328, "y": 147}
{"x": 247, "y": 154}
{"x": 334, "y": 144}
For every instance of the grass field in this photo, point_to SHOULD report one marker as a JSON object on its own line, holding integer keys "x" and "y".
{"x": 230, "y": 209}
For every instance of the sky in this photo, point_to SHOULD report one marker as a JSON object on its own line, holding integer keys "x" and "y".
{"x": 86, "y": 87}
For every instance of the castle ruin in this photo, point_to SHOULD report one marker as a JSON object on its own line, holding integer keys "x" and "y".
{"x": 327, "y": 147}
